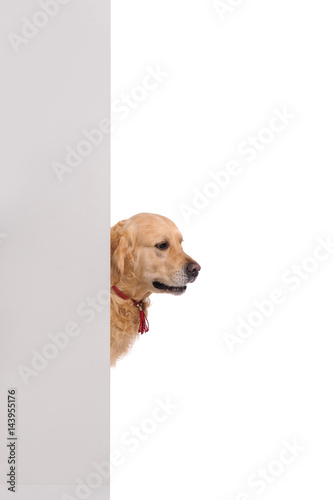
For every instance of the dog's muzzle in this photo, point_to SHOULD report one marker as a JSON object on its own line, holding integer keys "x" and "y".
{"x": 187, "y": 275}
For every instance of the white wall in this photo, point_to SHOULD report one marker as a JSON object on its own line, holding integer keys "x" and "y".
{"x": 54, "y": 245}
{"x": 227, "y": 77}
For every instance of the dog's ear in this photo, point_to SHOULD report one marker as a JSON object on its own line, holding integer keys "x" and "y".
{"x": 121, "y": 244}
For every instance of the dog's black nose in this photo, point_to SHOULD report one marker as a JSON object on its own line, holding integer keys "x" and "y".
{"x": 193, "y": 269}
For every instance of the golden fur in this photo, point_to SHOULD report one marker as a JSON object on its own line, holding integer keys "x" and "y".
{"x": 146, "y": 257}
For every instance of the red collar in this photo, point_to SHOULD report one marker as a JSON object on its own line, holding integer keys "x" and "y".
{"x": 144, "y": 325}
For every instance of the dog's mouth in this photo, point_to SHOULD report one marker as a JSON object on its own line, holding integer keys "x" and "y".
{"x": 175, "y": 290}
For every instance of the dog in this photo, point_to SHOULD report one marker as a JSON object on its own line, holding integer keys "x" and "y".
{"x": 146, "y": 257}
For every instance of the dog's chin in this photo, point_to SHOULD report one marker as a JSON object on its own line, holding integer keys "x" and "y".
{"x": 174, "y": 290}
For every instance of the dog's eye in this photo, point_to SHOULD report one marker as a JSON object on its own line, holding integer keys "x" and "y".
{"x": 162, "y": 246}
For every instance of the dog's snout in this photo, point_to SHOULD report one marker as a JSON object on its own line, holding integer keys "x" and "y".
{"x": 193, "y": 269}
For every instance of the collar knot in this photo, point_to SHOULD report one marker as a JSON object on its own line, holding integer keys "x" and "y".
{"x": 144, "y": 325}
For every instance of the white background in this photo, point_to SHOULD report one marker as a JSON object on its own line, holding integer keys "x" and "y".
{"x": 235, "y": 410}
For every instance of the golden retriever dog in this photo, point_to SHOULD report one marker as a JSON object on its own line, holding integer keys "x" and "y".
{"x": 146, "y": 257}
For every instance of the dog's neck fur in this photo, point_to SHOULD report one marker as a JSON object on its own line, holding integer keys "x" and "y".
{"x": 125, "y": 320}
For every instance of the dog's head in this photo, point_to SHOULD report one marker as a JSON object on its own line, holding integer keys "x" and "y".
{"x": 147, "y": 254}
